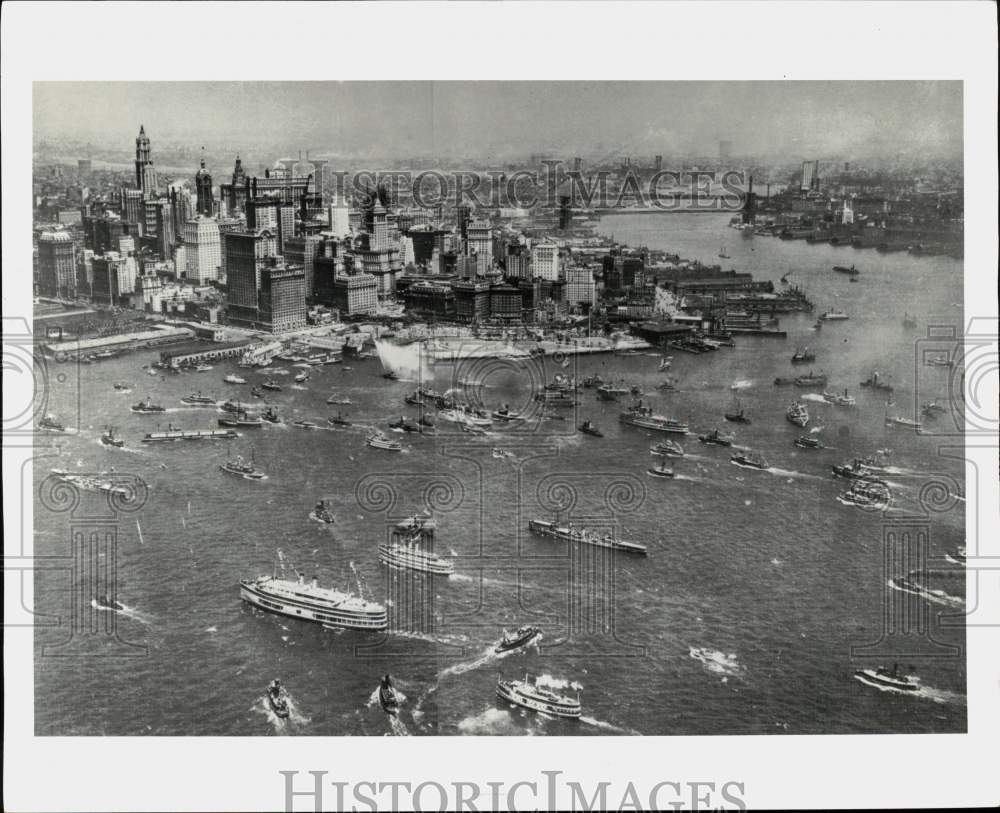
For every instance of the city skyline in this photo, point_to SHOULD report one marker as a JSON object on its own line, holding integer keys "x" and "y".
{"x": 487, "y": 119}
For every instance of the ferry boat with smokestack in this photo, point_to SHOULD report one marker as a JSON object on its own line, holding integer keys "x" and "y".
{"x": 811, "y": 380}
{"x": 715, "y": 438}
{"x": 243, "y": 419}
{"x": 243, "y": 468}
{"x": 840, "y": 399}
{"x": 411, "y": 547}
{"x": 876, "y": 382}
{"x": 737, "y": 414}
{"x": 197, "y": 399}
{"x": 803, "y": 356}
{"x": 809, "y": 442}
{"x": 532, "y": 696}
{"x": 333, "y": 609}
{"x": 643, "y": 417}
{"x": 868, "y": 493}
{"x": 234, "y": 379}
{"x": 379, "y": 440}
{"x": 569, "y": 533}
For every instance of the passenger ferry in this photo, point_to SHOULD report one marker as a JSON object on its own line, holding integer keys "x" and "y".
{"x": 234, "y": 379}
{"x": 538, "y": 698}
{"x": 411, "y": 546}
{"x": 378, "y": 440}
{"x": 310, "y": 602}
{"x": 197, "y": 399}
{"x": 667, "y": 448}
{"x": 750, "y": 460}
{"x": 568, "y": 533}
{"x": 644, "y": 418}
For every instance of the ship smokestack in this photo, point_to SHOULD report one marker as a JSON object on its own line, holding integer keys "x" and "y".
{"x": 302, "y": 579}
{"x": 315, "y": 582}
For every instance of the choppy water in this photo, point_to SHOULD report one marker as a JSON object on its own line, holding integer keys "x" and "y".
{"x": 741, "y": 620}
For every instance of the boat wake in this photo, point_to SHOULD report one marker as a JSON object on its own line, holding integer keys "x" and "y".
{"x": 601, "y": 724}
{"x": 299, "y": 387}
{"x": 491, "y": 722}
{"x": 814, "y": 397}
{"x": 926, "y": 692}
{"x": 126, "y": 611}
{"x": 718, "y": 663}
{"x": 797, "y": 474}
{"x": 934, "y": 596}
{"x": 557, "y": 683}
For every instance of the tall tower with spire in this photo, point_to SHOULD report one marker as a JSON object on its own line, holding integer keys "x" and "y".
{"x": 203, "y": 188}
{"x": 145, "y": 174}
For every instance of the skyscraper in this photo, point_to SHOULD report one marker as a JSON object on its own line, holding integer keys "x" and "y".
{"x": 145, "y": 174}
{"x": 203, "y": 249}
{"x": 246, "y": 254}
{"x": 57, "y": 264}
{"x": 203, "y": 187}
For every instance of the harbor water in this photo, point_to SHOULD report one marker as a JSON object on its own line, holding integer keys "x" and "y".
{"x": 760, "y": 596}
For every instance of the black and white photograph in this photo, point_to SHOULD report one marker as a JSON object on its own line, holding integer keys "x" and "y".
{"x": 354, "y": 404}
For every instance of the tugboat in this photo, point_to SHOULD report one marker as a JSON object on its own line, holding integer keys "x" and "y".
{"x": 387, "y": 697}
{"x": 109, "y": 604}
{"x": 875, "y": 382}
{"x": 867, "y": 494}
{"x": 257, "y": 392}
{"x": 197, "y": 399}
{"x": 844, "y": 270}
{"x": 403, "y": 424}
{"x": 715, "y": 439}
{"x": 537, "y": 698}
{"x": 277, "y": 698}
{"x": 855, "y": 470}
{"x": 737, "y": 415}
{"x": 809, "y": 442}
{"x": 270, "y": 415}
{"x": 667, "y": 448}
{"x": 750, "y": 460}
{"x": 243, "y": 468}
{"x": 888, "y": 678}
{"x": 932, "y": 409}
{"x": 520, "y": 637}
{"x": 119, "y": 385}
{"x": 147, "y": 406}
{"x": 783, "y": 382}
{"x": 392, "y": 375}
{"x": 588, "y": 428}
{"x": 234, "y": 379}
{"x": 906, "y": 423}
{"x": 322, "y": 513}
{"x": 109, "y": 439}
{"x": 234, "y": 407}
{"x": 803, "y": 356}
{"x": 797, "y": 414}
{"x": 272, "y": 385}
{"x": 414, "y": 400}
{"x": 338, "y": 420}
{"x": 592, "y": 381}
{"x": 939, "y": 361}
{"x": 378, "y": 440}
{"x": 837, "y": 399}
{"x": 662, "y": 470}
{"x": 49, "y": 422}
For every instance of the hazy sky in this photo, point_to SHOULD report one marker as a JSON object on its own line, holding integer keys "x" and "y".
{"x": 825, "y": 119}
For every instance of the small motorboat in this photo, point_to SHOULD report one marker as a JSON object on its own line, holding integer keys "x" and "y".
{"x": 202, "y": 368}
{"x": 119, "y": 385}
{"x": 305, "y": 424}
{"x": 197, "y": 399}
{"x": 270, "y": 415}
{"x": 404, "y": 425}
{"x": 301, "y": 378}
{"x": 663, "y": 470}
{"x": 321, "y": 513}
{"x": 234, "y": 379}
{"x": 388, "y": 698}
{"x": 340, "y": 400}
{"x": 389, "y": 374}
{"x": 49, "y": 422}
{"x": 277, "y": 698}
{"x": 109, "y": 604}
{"x": 667, "y": 448}
{"x": 272, "y": 385}
{"x": 589, "y": 428}
{"x": 520, "y": 637}
{"x": 500, "y": 454}
{"x": 378, "y": 440}
{"x": 888, "y": 678}
{"x": 505, "y": 415}
{"x": 906, "y": 423}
